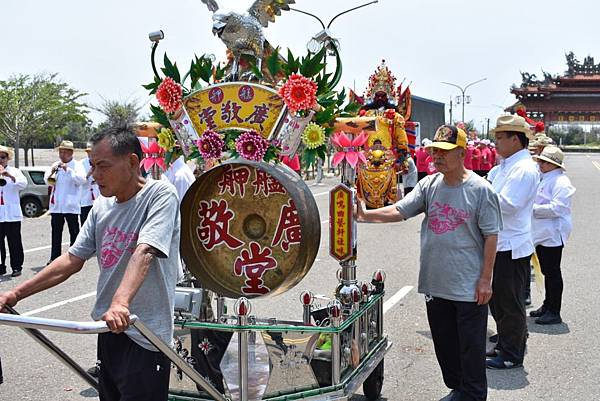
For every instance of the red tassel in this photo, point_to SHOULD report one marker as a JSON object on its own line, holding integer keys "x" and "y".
{"x": 52, "y": 197}
{"x": 2, "y": 197}
{"x": 92, "y": 191}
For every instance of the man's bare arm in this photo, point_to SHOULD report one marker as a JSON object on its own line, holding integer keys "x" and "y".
{"x": 55, "y": 273}
{"x": 387, "y": 214}
{"x": 483, "y": 292}
{"x": 117, "y": 315}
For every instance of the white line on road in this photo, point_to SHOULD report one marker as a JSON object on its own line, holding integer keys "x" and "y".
{"x": 320, "y": 194}
{"x": 41, "y": 248}
{"x": 396, "y": 298}
{"x": 61, "y": 303}
{"x": 596, "y": 164}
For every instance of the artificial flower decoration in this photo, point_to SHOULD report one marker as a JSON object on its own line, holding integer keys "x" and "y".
{"x": 299, "y": 93}
{"x": 350, "y": 148}
{"x": 251, "y": 145}
{"x": 152, "y": 156}
{"x": 169, "y": 95}
{"x": 210, "y": 145}
{"x": 165, "y": 139}
{"x": 313, "y": 136}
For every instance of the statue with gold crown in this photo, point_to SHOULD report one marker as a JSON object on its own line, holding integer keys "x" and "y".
{"x": 383, "y": 117}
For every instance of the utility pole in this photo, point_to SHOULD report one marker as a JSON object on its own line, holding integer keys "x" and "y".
{"x": 450, "y": 110}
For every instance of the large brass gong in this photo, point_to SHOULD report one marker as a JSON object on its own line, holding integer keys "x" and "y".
{"x": 249, "y": 229}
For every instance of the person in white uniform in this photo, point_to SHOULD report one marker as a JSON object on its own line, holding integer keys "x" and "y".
{"x": 551, "y": 226}
{"x": 12, "y": 181}
{"x": 89, "y": 191}
{"x": 66, "y": 177}
{"x": 181, "y": 176}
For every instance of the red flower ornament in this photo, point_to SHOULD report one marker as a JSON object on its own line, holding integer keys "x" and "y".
{"x": 299, "y": 93}
{"x": 169, "y": 95}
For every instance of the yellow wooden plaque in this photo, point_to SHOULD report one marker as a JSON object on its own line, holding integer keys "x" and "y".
{"x": 235, "y": 105}
{"x": 340, "y": 223}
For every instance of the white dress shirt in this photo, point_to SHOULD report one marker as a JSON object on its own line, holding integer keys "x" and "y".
{"x": 181, "y": 176}
{"x": 551, "y": 224}
{"x": 515, "y": 181}
{"x": 89, "y": 191}
{"x": 65, "y": 196}
{"x": 10, "y": 202}
{"x": 410, "y": 178}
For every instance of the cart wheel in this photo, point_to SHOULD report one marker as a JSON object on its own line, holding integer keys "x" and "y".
{"x": 372, "y": 386}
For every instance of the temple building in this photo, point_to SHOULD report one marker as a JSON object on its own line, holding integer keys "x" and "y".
{"x": 571, "y": 98}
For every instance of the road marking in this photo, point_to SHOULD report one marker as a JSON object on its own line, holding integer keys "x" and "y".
{"x": 596, "y": 164}
{"x": 61, "y": 303}
{"x": 320, "y": 194}
{"x": 41, "y": 248}
{"x": 396, "y": 298}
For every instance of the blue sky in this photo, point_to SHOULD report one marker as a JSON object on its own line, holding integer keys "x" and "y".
{"x": 102, "y": 47}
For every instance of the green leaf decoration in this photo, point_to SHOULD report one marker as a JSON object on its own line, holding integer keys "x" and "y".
{"x": 200, "y": 69}
{"x": 219, "y": 72}
{"x": 274, "y": 64}
{"x": 311, "y": 66}
{"x": 324, "y": 116}
{"x": 341, "y": 97}
{"x": 153, "y": 86}
{"x": 293, "y": 64}
{"x": 256, "y": 71}
{"x": 159, "y": 116}
{"x": 309, "y": 157}
{"x": 352, "y": 108}
{"x": 170, "y": 69}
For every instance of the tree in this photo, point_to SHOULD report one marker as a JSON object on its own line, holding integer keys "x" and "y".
{"x": 119, "y": 113}
{"x": 37, "y": 108}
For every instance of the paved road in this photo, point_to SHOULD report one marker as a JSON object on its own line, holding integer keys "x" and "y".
{"x": 561, "y": 363}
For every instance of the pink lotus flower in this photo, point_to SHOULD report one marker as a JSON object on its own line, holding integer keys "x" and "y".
{"x": 350, "y": 148}
{"x": 299, "y": 93}
{"x": 152, "y": 156}
{"x": 169, "y": 95}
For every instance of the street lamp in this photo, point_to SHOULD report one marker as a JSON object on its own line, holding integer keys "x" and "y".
{"x": 463, "y": 99}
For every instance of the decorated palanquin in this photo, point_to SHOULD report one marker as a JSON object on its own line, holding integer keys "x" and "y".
{"x": 384, "y": 117}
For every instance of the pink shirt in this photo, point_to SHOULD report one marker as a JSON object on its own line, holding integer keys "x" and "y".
{"x": 486, "y": 159}
{"x": 421, "y": 156}
{"x": 469, "y": 157}
{"x": 476, "y": 157}
{"x": 430, "y": 166}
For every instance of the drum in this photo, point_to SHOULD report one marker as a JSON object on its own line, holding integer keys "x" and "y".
{"x": 249, "y": 229}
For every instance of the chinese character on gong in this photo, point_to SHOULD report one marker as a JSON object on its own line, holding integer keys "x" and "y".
{"x": 213, "y": 229}
{"x": 253, "y": 264}
{"x": 288, "y": 228}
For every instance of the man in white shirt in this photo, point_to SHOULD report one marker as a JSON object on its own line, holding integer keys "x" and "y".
{"x": 12, "y": 181}
{"x": 515, "y": 181}
{"x": 181, "y": 176}
{"x": 89, "y": 191}
{"x": 66, "y": 177}
{"x": 551, "y": 226}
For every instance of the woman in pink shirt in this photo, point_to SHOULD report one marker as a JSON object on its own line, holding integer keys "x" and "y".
{"x": 469, "y": 156}
{"x": 421, "y": 160}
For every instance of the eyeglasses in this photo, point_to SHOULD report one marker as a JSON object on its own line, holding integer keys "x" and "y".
{"x": 3, "y": 157}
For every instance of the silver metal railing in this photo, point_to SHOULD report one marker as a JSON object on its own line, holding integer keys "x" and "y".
{"x": 32, "y": 325}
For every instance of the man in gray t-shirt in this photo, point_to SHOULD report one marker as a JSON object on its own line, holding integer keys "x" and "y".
{"x": 458, "y": 247}
{"x": 134, "y": 232}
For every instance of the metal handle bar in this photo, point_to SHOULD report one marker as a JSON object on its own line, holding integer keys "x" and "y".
{"x": 32, "y": 324}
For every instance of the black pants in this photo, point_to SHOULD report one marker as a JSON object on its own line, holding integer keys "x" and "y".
{"x": 508, "y": 305}
{"x": 129, "y": 372}
{"x": 550, "y": 257}
{"x": 421, "y": 175}
{"x": 459, "y": 331}
{"x": 85, "y": 210}
{"x": 11, "y": 230}
{"x": 58, "y": 222}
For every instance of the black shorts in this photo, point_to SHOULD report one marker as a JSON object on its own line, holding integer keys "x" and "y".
{"x": 129, "y": 372}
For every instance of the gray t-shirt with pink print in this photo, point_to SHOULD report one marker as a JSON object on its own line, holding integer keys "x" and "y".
{"x": 113, "y": 230}
{"x": 457, "y": 218}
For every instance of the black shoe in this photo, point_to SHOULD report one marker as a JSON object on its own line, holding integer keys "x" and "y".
{"x": 16, "y": 273}
{"x": 538, "y": 312}
{"x": 494, "y": 338}
{"x": 2, "y": 270}
{"x": 492, "y": 353}
{"x": 454, "y": 395}
{"x": 501, "y": 363}
{"x": 549, "y": 318}
{"x": 94, "y": 371}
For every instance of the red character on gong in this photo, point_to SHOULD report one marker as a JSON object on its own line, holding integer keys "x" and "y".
{"x": 214, "y": 225}
{"x": 288, "y": 229}
{"x": 253, "y": 264}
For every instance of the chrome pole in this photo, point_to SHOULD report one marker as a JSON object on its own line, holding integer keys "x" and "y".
{"x": 243, "y": 358}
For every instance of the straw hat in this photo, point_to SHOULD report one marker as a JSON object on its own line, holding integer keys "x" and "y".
{"x": 513, "y": 123}
{"x": 9, "y": 152}
{"x": 67, "y": 145}
{"x": 552, "y": 154}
